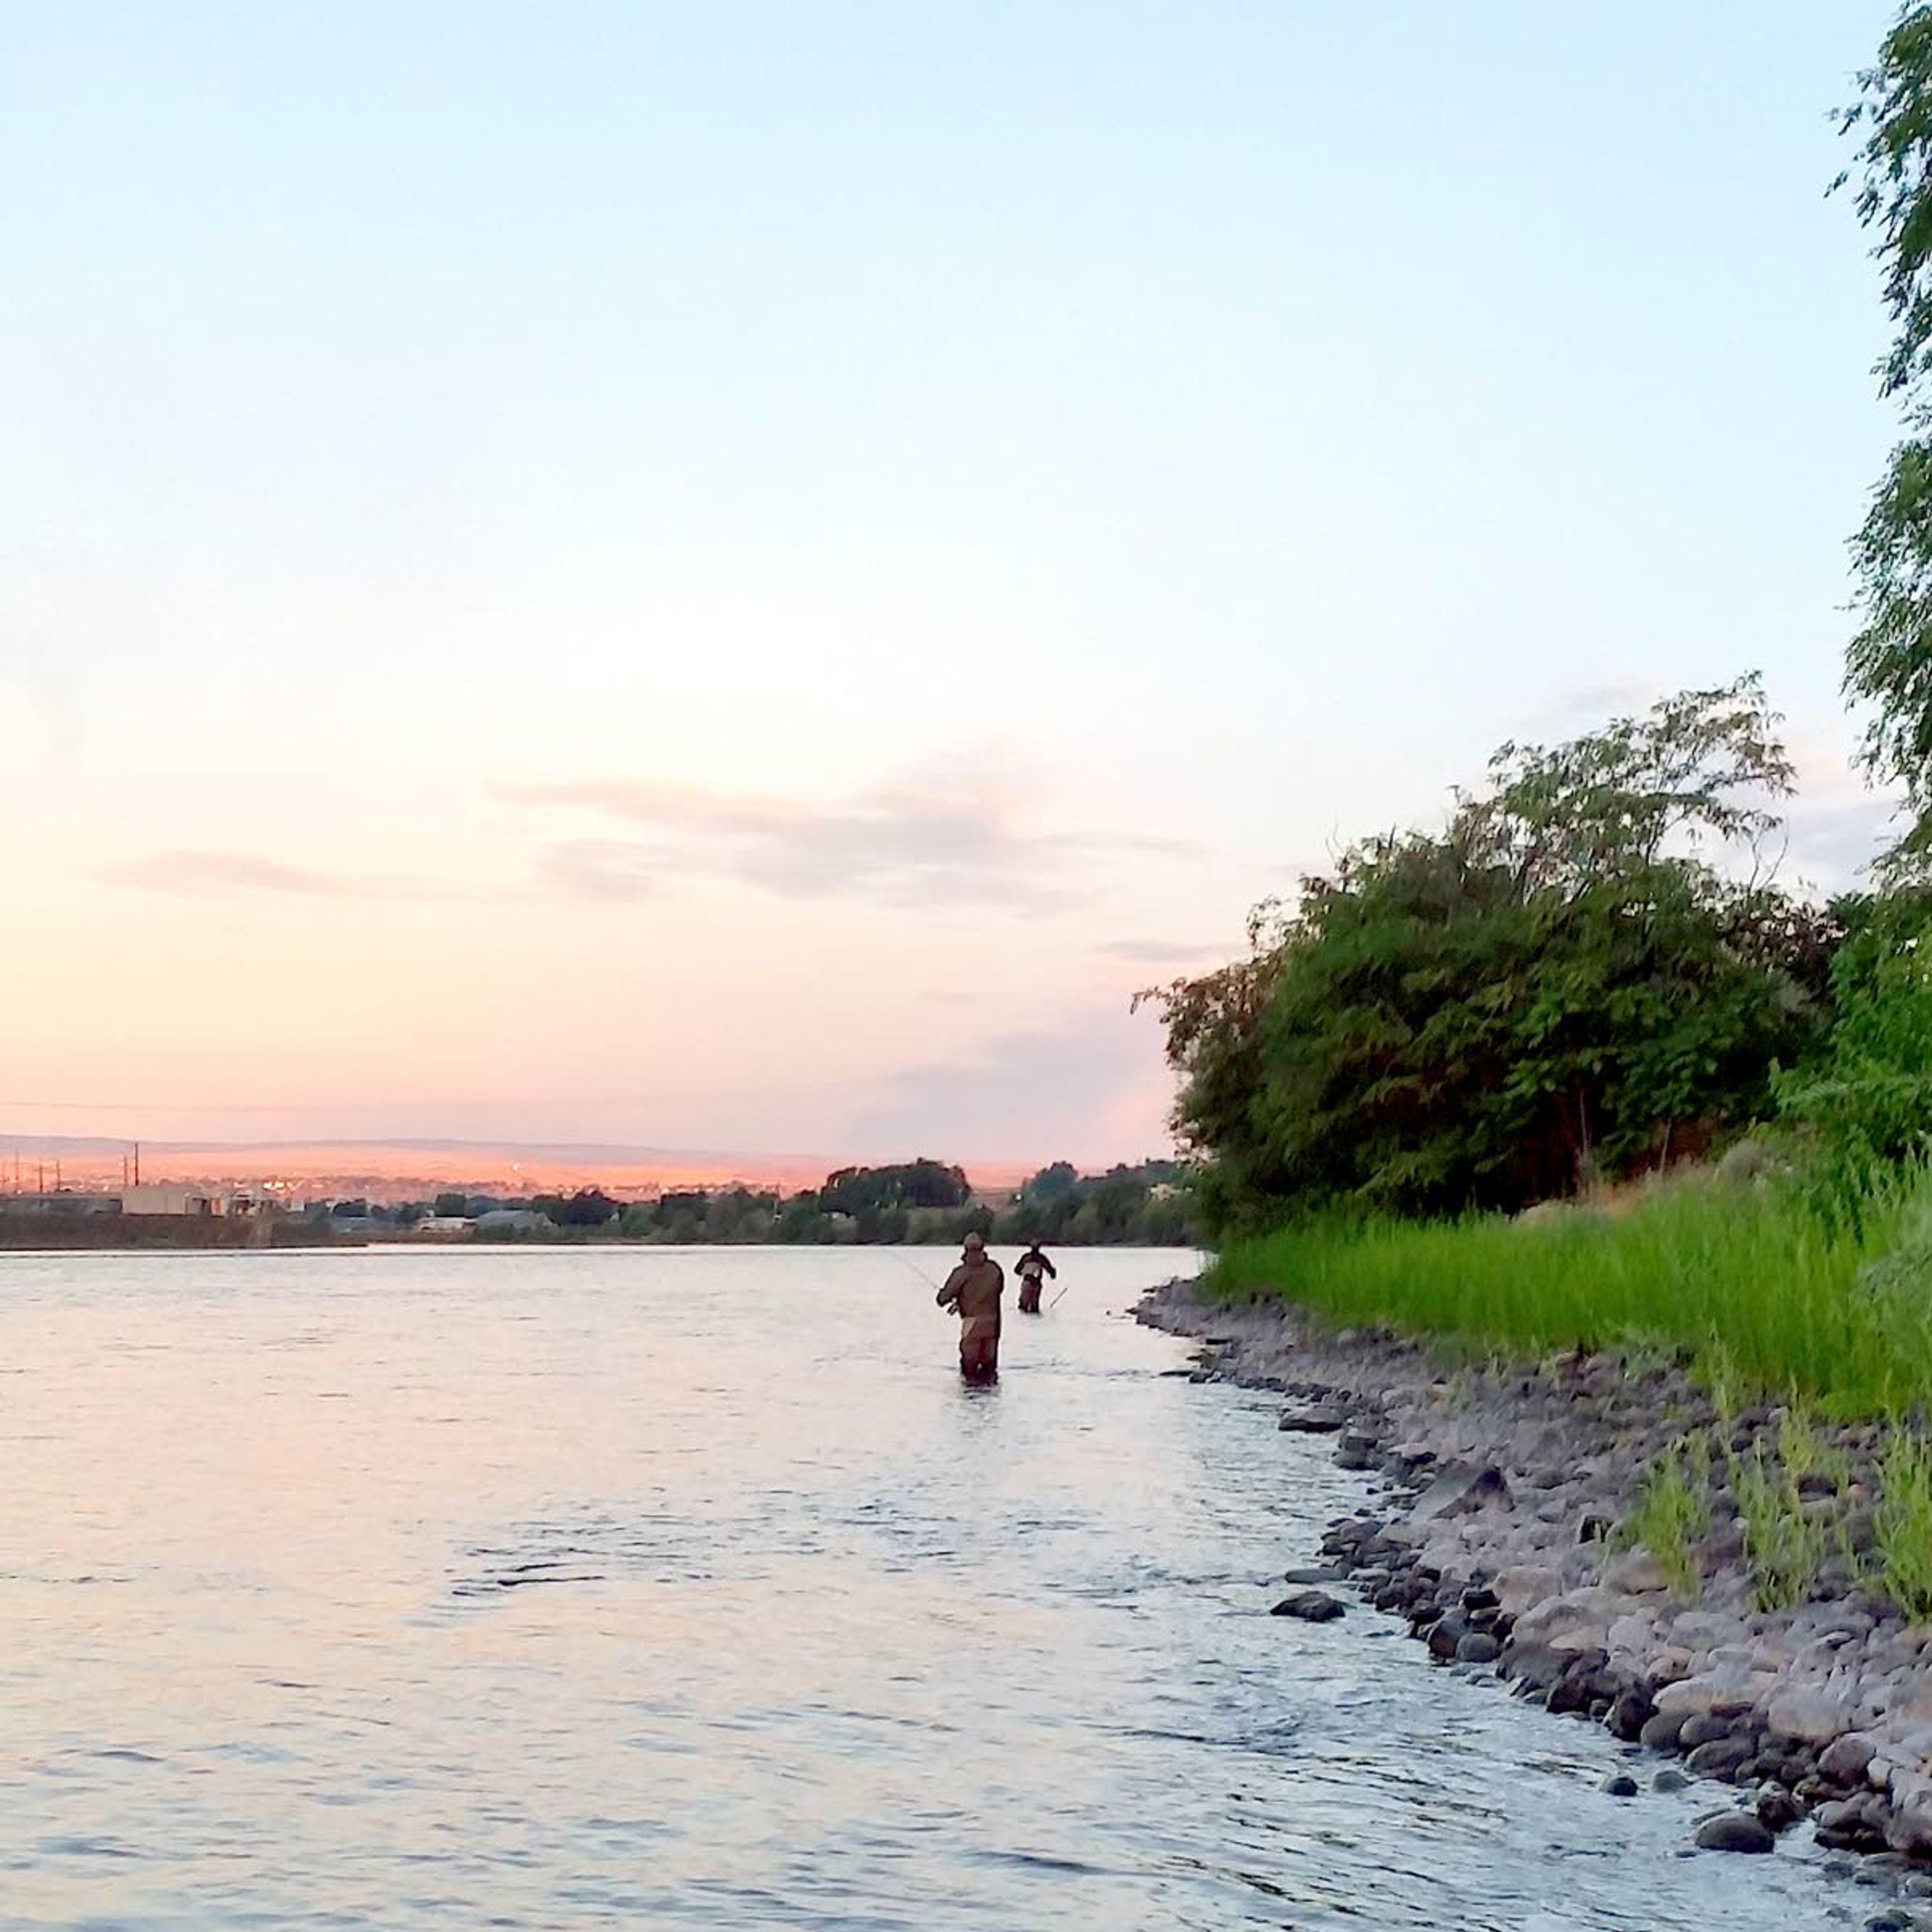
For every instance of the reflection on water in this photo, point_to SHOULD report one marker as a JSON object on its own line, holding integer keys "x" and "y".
{"x": 554, "y": 1589}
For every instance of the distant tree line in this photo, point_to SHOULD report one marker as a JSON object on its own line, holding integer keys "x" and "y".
{"x": 919, "y": 1201}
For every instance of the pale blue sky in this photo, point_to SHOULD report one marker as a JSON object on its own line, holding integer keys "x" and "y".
{"x": 732, "y": 573}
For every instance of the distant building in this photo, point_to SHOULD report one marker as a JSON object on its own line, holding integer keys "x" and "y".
{"x": 170, "y": 1197}
{"x": 512, "y": 1221}
{"x": 62, "y": 1203}
{"x": 448, "y": 1226}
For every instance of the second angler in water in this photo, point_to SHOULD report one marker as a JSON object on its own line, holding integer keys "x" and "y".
{"x": 1033, "y": 1268}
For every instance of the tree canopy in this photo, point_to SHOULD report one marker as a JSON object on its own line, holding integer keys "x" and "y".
{"x": 1560, "y": 983}
{"x": 1889, "y": 662}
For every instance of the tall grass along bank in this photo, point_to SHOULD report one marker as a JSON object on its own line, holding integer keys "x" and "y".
{"x": 1763, "y": 1289}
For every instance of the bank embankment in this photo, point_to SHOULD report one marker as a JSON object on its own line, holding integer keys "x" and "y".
{"x": 65, "y": 1234}
{"x": 1558, "y": 1522}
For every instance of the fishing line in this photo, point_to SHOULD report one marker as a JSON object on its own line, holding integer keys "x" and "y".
{"x": 919, "y": 1271}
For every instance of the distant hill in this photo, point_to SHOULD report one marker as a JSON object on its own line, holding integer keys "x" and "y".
{"x": 406, "y": 1168}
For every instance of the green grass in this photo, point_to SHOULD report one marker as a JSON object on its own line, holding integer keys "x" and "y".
{"x": 1765, "y": 1294}
{"x": 1672, "y": 1517}
{"x": 1783, "y": 1546}
{"x": 1805, "y": 1452}
{"x": 1903, "y": 1529}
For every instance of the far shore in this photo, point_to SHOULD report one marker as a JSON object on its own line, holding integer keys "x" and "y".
{"x": 141, "y": 1233}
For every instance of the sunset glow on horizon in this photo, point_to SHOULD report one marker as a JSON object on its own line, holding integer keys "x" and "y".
{"x": 740, "y": 578}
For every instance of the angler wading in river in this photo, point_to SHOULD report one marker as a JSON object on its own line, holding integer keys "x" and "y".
{"x": 973, "y": 1289}
{"x": 1032, "y": 1267}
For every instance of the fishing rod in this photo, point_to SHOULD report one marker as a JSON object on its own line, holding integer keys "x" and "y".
{"x": 919, "y": 1271}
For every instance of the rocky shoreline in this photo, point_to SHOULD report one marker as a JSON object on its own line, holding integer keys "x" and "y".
{"x": 1498, "y": 1497}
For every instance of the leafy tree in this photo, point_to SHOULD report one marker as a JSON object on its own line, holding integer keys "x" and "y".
{"x": 802, "y": 1219}
{"x": 1869, "y": 1098}
{"x": 588, "y": 1208}
{"x": 737, "y": 1214}
{"x": 1556, "y": 985}
{"x": 1888, "y": 664}
{"x": 452, "y": 1204}
{"x": 917, "y": 1183}
{"x": 1051, "y": 1184}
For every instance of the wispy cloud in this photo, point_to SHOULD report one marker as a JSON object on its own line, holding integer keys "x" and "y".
{"x": 1097, "y": 1090}
{"x": 606, "y": 872}
{"x": 1165, "y": 951}
{"x": 205, "y": 874}
{"x": 202, "y": 874}
{"x": 900, "y": 847}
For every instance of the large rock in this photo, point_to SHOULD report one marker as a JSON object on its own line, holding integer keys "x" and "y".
{"x": 1578, "y": 1620}
{"x": 1663, "y": 1731}
{"x": 1710, "y": 1690}
{"x": 1460, "y": 1490}
{"x": 1808, "y": 1714}
{"x": 1632, "y": 1636}
{"x": 1636, "y": 1572}
{"x": 1524, "y": 1586}
{"x": 1320, "y": 1421}
{"x": 1534, "y": 1668}
{"x": 1909, "y": 1828}
{"x": 1735, "y": 1832}
{"x": 1312, "y": 1606}
{"x": 1721, "y": 1757}
{"x": 1704, "y": 1729}
{"x": 1630, "y": 1715}
{"x": 1846, "y": 1758}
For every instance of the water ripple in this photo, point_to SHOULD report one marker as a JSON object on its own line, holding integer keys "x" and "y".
{"x": 553, "y": 1590}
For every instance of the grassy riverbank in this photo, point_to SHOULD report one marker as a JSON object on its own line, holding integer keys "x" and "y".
{"x": 1768, "y": 1294}
{"x": 1808, "y": 1329}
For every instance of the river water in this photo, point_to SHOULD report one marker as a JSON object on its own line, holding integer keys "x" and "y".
{"x": 567, "y": 1588}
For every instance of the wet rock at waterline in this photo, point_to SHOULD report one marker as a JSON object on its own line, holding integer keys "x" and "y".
{"x": 1735, "y": 1832}
{"x": 1311, "y": 1607}
{"x": 1313, "y": 1421}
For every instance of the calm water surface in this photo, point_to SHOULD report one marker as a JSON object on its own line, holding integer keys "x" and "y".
{"x": 551, "y": 1589}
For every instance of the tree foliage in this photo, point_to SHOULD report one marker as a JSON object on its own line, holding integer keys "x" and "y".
{"x": 1869, "y": 1098}
{"x": 588, "y": 1208}
{"x": 914, "y": 1184}
{"x": 1560, "y": 983}
{"x": 1888, "y": 663}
